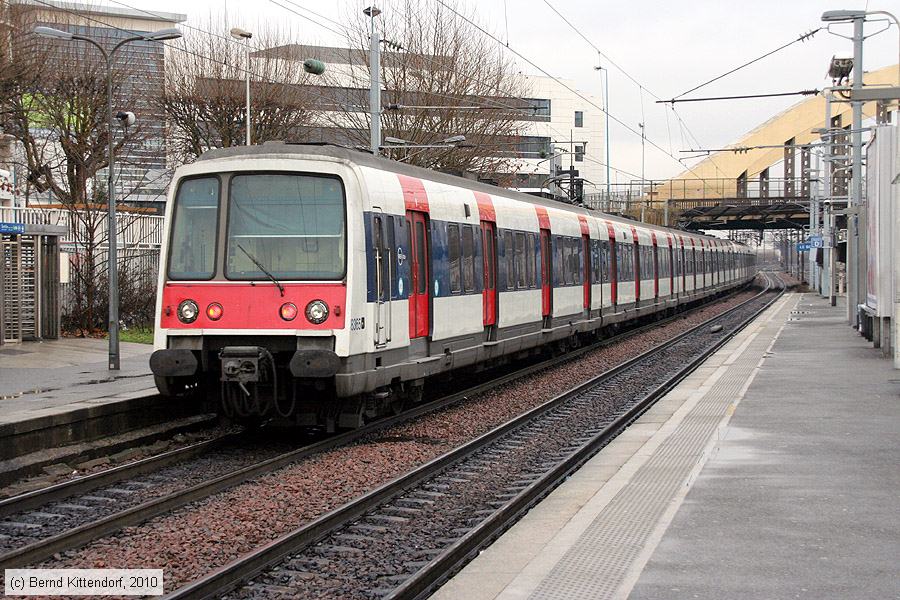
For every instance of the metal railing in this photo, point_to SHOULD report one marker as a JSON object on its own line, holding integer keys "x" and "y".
{"x": 133, "y": 229}
{"x": 139, "y": 239}
{"x": 709, "y": 191}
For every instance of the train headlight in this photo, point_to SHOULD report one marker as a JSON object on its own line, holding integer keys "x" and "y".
{"x": 188, "y": 311}
{"x": 214, "y": 311}
{"x": 316, "y": 312}
{"x": 288, "y": 311}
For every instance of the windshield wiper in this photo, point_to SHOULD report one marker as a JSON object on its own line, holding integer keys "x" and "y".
{"x": 263, "y": 269}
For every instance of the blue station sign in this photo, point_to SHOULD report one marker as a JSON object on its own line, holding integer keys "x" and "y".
{"x": 14, "y": 228}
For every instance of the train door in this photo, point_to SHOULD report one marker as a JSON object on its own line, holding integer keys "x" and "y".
{"x": 586, "y": 249}
{"x": 383, "y": 244}
{"x": 417, "y": 240}
{"x": 546, "y": 275}
{"x": 489, "y": 303}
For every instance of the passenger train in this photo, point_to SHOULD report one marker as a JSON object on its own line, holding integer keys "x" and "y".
{"x": 325, "y": 285}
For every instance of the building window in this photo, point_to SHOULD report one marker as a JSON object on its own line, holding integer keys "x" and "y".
{"x": 540, "y": 108}
{"x": 579, "y": 153}
{"x": 533, "y": 146}
{"x": 579, "y": 118}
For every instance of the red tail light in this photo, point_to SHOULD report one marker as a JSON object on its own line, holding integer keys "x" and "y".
{"x": 288, "y": 311}
{"x": 214, "y": 311}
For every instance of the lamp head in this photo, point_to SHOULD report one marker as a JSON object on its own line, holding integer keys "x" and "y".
{"x": 836, "y": 16}
{"x": 50, "y": 32}
{"x": 170, "y": 33}
{"x": 240, "y": 34}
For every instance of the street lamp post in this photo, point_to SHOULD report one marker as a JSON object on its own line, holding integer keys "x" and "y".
{"x": 242, "y": 34}
{"x": 156, "y": 36}
{"x": 605, "y": 71}
{"x": 374, "y": 81}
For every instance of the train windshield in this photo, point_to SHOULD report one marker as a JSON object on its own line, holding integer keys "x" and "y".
{"x": 293, "y": 225}
{"x": 192, "y": 254}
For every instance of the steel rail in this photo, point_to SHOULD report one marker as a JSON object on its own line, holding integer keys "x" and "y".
{"x": 78, "y": 536}
{"x": 86, "y": 483}
{"x": 229, "y": 576}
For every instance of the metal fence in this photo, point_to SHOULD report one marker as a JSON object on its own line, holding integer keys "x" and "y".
{"x": 139, "y": 238}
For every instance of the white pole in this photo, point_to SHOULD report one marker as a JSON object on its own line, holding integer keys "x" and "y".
{"x": 247, "y": 46}
{"x": 374, "y": 88}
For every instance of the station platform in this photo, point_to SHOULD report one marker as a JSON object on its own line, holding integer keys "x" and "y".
{"x": 61, "y": 405}
{"x": 46, "y": 377}
{"x": 770, "y": 472}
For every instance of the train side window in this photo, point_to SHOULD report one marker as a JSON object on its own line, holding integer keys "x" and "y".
{"x": 595, "y": 261}
{"x": 535, "y": 243}
{"x": 521, "y": 273}
{"x": 578, "y": 259}
{"x": 529, "y": 260}
{"x": 453, "y": 257}
{"x": 509, "y": 259}
{"x": 468, "y": 261}
{"x": 568, "y": 278}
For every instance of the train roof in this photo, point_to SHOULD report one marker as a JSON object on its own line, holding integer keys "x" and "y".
{"x": 368, "y": 159}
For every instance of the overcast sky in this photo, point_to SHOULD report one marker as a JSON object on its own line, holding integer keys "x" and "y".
{"x": 669, "y": 46}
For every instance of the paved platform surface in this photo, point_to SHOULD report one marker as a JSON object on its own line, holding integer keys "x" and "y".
{"x": 771, "y": 472}
{"x": 42, "y": 378}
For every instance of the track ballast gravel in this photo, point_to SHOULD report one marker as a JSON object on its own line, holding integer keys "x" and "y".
{"x": 198, "y": 538}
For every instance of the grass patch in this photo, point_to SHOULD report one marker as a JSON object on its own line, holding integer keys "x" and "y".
{"x": 137, "y": 335}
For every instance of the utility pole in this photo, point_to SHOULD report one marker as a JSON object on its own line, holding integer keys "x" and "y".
{"x": 856, "y": 258}
{"x": 374, "y": 81}
{"x": 828, "y": 232}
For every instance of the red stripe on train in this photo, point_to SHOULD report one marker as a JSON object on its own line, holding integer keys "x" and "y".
{"x": 485, "y": 207}
{"x": 543, "y": 217}
{"x": 414, "y": 196}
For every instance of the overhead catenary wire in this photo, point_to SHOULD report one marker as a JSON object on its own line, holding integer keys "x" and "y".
{"x": 563, "y": 84}
{"x": 640, "y": 86}
{"x": 743, "y": 97}
{"x": 802, "y": 38}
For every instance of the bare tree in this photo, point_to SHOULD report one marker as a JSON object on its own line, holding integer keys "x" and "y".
{"x": 445, "y": 80}
{"x": 204, "y": 95}
{"x": 54, "y": 103}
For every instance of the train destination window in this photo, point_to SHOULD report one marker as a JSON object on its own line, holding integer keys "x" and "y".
{"x": 468, "y": 261}
{"x": 192, "y": 253}
{"x": 292, "y": 226}
{"x": 453, "y": 255}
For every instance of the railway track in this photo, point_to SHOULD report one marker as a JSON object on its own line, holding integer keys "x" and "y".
{"x": 406, "y": 537}
{"x": 38, "y": 525}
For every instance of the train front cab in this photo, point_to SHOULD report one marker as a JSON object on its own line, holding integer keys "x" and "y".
{"x": 256, "y": 282}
